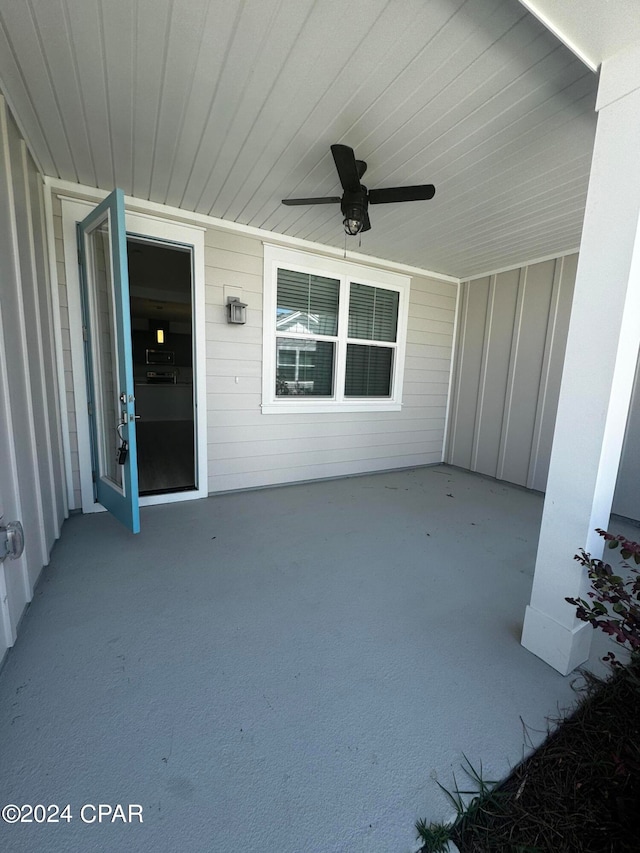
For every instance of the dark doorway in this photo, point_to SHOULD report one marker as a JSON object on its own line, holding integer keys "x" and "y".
{"x": 160, "y": 284}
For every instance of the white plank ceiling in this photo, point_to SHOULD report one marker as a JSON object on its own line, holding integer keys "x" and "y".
{"x": 225, "y": 107}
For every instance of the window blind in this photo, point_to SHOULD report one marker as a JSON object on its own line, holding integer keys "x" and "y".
{"x": 368, "y": 371}
{"x": 308, "y": 301}
{"x": 373, "y": 313}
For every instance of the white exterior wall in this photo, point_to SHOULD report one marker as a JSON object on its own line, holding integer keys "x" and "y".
{"x": 32, "y": 484}
{"x": 511, "y": 342}
{"x": 248, "y": 449}
{"x": 626, "y": 500}
{"x": 75, "y": 500}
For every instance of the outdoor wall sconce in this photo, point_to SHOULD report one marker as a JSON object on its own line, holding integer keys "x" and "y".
{"x": 236, "y": 310}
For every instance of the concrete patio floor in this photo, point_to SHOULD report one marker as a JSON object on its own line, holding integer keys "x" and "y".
{"x": 277, "y": 671}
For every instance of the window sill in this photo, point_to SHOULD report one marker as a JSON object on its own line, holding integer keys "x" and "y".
{"x": 329, "y": 406}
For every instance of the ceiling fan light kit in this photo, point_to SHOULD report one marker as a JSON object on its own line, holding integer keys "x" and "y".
{"x": 353, "y": 217}
{"x": 356, "y": 197}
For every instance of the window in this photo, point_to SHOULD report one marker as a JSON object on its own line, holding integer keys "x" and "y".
{"x": 334, "y": 334}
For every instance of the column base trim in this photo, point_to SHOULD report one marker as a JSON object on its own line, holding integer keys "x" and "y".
{"x": 562, "y": 648}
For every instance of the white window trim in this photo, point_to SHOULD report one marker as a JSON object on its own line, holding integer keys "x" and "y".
{"x": 345, "y": 271}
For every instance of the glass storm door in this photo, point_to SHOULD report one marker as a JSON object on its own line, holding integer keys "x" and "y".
{"x": 107, "y": 330}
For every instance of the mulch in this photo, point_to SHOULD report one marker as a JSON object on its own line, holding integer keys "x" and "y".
{"x": 579, "y": 791}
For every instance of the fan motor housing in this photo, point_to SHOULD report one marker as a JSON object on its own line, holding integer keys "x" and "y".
{"x": 354, "y": 205}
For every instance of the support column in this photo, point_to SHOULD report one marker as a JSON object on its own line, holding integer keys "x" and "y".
{"x": 598, "y": 375}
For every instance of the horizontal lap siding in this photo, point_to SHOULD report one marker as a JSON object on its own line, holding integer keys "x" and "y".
{"x": 510, "y": 351}
{"x": 248, "y": 449}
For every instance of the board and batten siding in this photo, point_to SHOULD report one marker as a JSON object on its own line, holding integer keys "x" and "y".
{"x": 511, "y": 342}
{"x": 510, "y": 351}
{"x": 249, "y": 449}
{"x": 32, "y": 481}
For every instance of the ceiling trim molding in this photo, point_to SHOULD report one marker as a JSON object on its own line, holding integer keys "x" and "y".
{"x": 559, "y": 34}
{"x": 522, "y": 265}
{"x": 60, "y": 187}
{"x": 15, "y": 116}
{"x": 620, "y": 76}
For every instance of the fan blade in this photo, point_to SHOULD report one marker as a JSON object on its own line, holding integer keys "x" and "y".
{"x": 345, "y": 161}
{"x": 329, "y": 200}
{"x": 362, "y": 168}
{"x": 421, "y": 192}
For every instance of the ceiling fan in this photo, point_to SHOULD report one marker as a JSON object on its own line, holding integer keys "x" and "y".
{"x": 356, "y": 197}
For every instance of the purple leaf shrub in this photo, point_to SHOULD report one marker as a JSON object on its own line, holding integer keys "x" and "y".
{"x": 614, "y": 604}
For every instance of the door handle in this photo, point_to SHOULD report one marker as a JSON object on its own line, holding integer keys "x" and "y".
{"x": 125, "y": 420}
